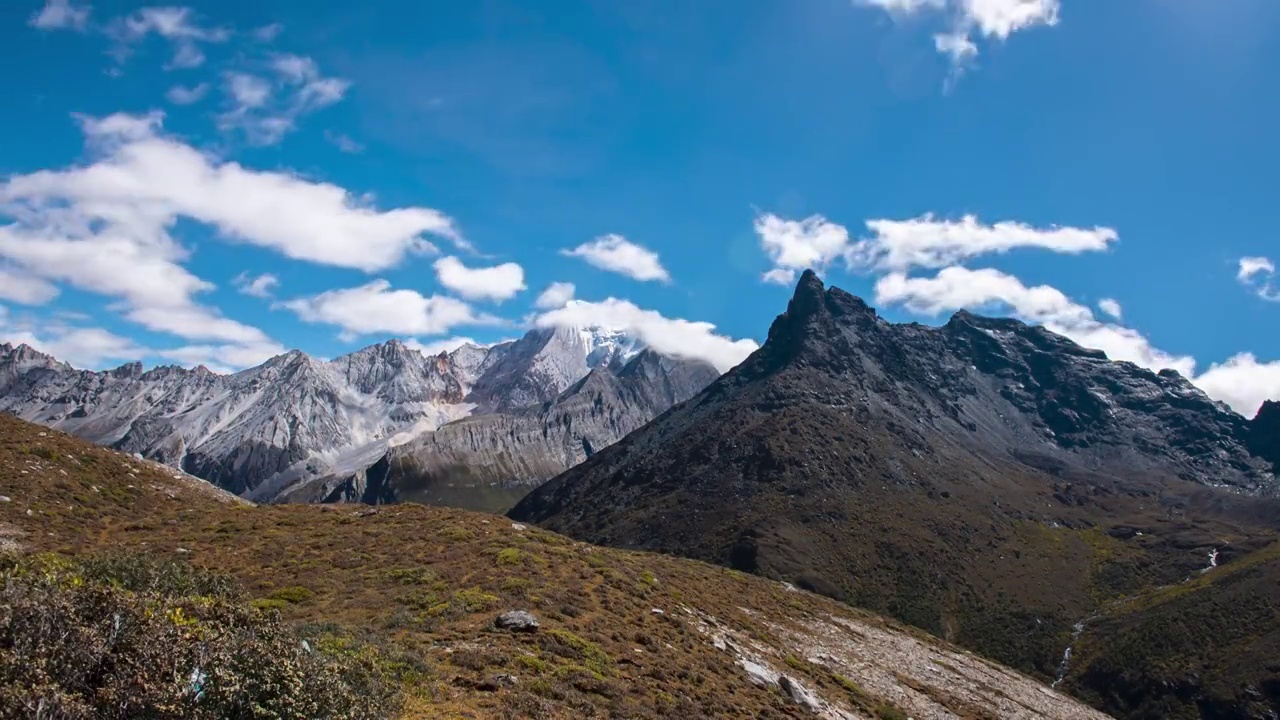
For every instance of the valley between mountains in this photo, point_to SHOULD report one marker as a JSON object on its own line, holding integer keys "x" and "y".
{"x": 1093, "y": 525}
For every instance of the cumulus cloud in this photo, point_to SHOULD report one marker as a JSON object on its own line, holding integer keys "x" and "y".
{"x": 500, "y": 282}
{"x": 182, "y": 95}
{"x": 61, "y": 15}
{"x": 795, "y": 245}
{"x": 971, "y": 20}
{"x": 670, "y": 336}
{"x": 1257, "y": 274}
{"x": 618, "y": 254}
{"x": 142, "y": 185}
{"x": 105, "y": 227}
{"x": 1242, "y": 382}
{"x": 376, "y": 308}
{"x": 929, "y": 242}
{"x": 1111, "y": 308}
{"x": 261, "y": 286}
{"x": 900, "y": 245}
{"x": 557, "y": 295}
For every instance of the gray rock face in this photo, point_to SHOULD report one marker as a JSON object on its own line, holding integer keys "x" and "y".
{"x": 517, "y": 621}
{"x": 270, "y": 431}
{"x": 518, "y": 450}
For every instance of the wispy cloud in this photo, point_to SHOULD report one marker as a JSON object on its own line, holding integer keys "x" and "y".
{"x": 178, "y": 25}
{"x": 265, "y": 107}
{"x": 61, "y": 15}
{"x": 1258, "y": 274}
{"x": 182, "y": 95}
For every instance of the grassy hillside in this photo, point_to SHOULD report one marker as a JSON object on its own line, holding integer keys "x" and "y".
{"x": 623, "y": 634}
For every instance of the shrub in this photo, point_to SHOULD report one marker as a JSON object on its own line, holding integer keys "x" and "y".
{"x": 138, "y": 637}
{"x": 295, "y": 594}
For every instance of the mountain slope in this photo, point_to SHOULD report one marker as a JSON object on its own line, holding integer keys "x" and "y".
{"x": 489, "y": 461}
{"x": 988, "y": 481}
{"x": 621, "y": 634}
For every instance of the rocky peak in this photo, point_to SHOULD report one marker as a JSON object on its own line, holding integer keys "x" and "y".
{"x": 1264, "y": 434}
{"x": 128, "y": 371}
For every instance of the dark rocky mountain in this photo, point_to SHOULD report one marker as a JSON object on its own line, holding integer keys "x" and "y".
{"x": 1264, "y": 434}
{"x": 986, "y": 480}
{"x": 489, "y": 461}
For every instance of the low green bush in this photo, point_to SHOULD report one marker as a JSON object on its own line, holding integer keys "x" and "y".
{"x": 127, "y": 637}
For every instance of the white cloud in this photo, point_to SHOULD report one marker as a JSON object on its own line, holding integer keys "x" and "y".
{"x": 557, "y": 295}
{"x": 794, "y": 245}
{"x": 223, "y": 358}
{"x": 23, "y": 288}
{"x": 343, "y": 142}
{"x": 1002, "y": 18}
{"x": 955, "y": 288}
{"x": 61, "y": 15}
{"x": 81, "y": 347}
{"x": 447, "y": 345}
{"x": 618, "y": 254}
{"x": 500, "y": 282}
{"x": 972, "y": 19}
{"x": 905, "y": 7}
{"x": 1242, "y": 382}
{"x": 178, "y": 25}
{"x": 182, "y": 95}
{"x": 267, "y": 33}
{"x": 259, "y": 287}
{"x": 143, "y": 185}
{"x": 1111, "y": 307}
{"x": 927, "y": 242}
{"x": 105, "y": 228}
{"x": 247, "y": 91}
{"x": 900, "y": 245}
{"x": 119, "y": 127}
{"x": 267, "y": 109}
{"x": 376, "y": 308}
{"x": 670, "y": 336}
{"x": 1257, "y": 274}
{"x": 779, "y": 276}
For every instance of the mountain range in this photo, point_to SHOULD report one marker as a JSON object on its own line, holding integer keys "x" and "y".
{"x": 1105, "y": 528}
{"x": 297, "y": 427}
{"x": 986, "y": 480}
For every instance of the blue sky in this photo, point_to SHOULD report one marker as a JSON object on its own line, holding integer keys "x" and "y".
{"x": 426, "y": 170}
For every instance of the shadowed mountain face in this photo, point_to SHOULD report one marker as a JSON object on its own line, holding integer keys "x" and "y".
{"x": 986, "y": 480}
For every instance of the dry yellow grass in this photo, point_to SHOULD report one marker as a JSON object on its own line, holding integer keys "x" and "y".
{"x": 624, "y": 634}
